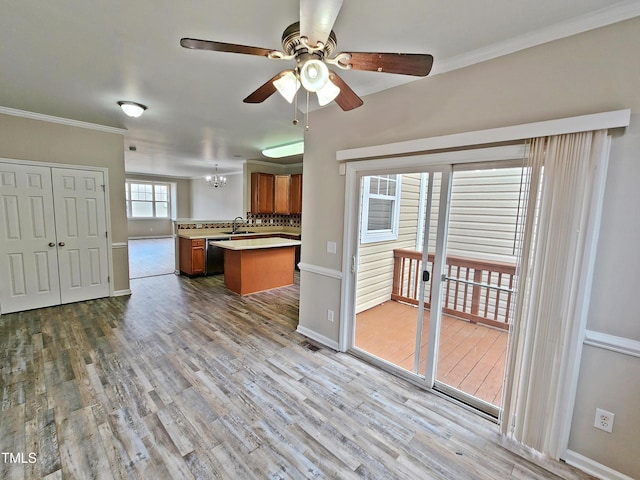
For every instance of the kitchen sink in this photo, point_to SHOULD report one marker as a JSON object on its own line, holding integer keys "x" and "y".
{"x": 238, "y": 232}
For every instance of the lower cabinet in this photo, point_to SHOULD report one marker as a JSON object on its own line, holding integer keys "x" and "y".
{"x": 192, "y": 255}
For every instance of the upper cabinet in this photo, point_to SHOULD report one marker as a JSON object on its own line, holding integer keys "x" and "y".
{"x": 282, "y": 189}
{"x": 276, "y": 193}
{"x": 262, "y": 189}
{"x": 295, "y": 194}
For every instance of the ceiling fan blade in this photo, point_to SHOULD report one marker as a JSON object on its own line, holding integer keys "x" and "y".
{"x": 317, "y": 18}
{"x": 347, "y": 98}
{"x": 415, "y": 64}
{"x": 265, "y": 90}
{"x": 223, "y": 47}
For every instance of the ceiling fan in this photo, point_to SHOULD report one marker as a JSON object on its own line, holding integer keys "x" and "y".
{"x": 311, "y": 42}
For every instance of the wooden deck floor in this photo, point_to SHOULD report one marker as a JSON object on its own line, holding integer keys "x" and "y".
{"x": 471, "y": 357}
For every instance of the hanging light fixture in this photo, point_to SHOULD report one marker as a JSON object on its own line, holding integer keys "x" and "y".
{"x": 216, "y": 180}
{"x": 132, "y": 109}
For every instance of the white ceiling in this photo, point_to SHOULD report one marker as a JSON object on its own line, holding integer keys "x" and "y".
{"x": 75, "y": 59}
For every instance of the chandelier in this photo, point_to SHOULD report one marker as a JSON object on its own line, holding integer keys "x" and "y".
{"x": 216, "y": 180}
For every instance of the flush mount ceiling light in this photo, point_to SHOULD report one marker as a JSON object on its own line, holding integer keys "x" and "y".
{"x": 132, "y": 109}
{"x": 280, "y": 151}
{"x": 216, "y": 180}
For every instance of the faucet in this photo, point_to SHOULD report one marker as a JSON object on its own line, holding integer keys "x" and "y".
{"x": 235, "y": 226}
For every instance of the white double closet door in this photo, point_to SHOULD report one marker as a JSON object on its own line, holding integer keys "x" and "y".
{"x": 54, "y": 236}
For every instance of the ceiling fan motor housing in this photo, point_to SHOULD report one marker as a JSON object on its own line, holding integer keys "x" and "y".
{"x": 292, "y": 44}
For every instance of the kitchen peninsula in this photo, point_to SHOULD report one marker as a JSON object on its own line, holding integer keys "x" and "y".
{"x": 258, "y": 264}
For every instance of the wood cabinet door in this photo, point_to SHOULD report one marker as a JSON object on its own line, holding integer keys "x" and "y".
{"x": 282, "y": 192}
{"x": 295, "y": 197}
{"x": 192, "y": 256}
{"x": 262, "y": 192}
{"x": 197, "y": 258}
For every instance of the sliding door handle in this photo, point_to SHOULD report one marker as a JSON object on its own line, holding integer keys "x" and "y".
{"x": 425, "y": 275}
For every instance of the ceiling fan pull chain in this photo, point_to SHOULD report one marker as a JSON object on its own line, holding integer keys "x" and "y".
{"x": 306, "y": 114}
{"x": 295, "y": 108}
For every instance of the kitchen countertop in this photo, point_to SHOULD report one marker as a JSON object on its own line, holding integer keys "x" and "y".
{"x": 257, "y": 243}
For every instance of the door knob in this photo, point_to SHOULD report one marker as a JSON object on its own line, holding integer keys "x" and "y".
{"x": 51, "y": 244}
{"x": 61, "y": 244}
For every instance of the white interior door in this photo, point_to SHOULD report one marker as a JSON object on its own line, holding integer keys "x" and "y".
{"x": 28, "y": 253}
{"x": 81, "y": 230}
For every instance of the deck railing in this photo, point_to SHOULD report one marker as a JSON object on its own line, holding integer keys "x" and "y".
{"x": 476, "y": 290}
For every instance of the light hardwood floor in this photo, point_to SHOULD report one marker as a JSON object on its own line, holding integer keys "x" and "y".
{"x": 185, "y": 380}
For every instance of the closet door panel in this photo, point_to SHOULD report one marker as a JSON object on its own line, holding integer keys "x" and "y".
{"x": 28, "y": 253}
{"x": 82, "y": 234}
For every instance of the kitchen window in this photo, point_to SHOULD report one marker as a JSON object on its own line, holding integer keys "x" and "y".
{"x": 147, "y": 199}
{"x": 381, "y": 208}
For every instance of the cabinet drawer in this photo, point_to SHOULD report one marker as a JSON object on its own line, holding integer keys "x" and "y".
{"x": 199, "y": 242}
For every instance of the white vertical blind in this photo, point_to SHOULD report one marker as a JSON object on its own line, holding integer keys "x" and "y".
{"x": 547, "y": 335}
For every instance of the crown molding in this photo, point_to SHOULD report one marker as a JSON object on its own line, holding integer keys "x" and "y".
{"x": 599, "y": 18}
{"x": 61, "y": 121}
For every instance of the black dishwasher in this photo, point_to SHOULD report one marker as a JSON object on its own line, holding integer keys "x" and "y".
{"x": 215, "y": 257}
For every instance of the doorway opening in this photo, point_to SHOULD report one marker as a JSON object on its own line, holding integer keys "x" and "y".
{"x": 150, "y": 257}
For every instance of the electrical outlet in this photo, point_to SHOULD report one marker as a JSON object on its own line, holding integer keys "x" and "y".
{"x": 330, "y": 315}
{"x": 604, "y": 420}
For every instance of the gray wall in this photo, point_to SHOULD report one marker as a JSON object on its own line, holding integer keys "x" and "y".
{"x": 224, "y": 203}
{"x": 36, "y": 140}
{"x": 587, "y": 73}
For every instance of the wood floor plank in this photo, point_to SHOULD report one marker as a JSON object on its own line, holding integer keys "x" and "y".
{"x": 82, "y": 453}
{"x": 186, "y": 380}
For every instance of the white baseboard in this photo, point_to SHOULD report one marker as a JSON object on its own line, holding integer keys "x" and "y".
{"x": 121, "y": 293}
{"x": 592, "y": 467}
{"x": 318, "y": 338}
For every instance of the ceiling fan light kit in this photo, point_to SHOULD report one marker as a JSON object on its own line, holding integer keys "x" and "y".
{"x": 311, "y": 42}
{"x": 287, "y": 85}
{"x": 314, "y": 75}
{"x": 132, "y": 109}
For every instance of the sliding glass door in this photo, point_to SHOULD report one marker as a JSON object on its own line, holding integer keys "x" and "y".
{"x": 398, "y": 217}
{"x": 478, "y": 283}
{"x": 435, "y": 268}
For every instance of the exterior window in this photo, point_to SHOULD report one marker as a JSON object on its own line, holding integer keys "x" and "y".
{"x": 381, "y": 208}
{"x": 147, "y": 200}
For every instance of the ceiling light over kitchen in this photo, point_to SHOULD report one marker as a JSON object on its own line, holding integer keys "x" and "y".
{"x": 216, "y": 180}
{"x": 132, "y": 109}
{"x": 280, "y": 151}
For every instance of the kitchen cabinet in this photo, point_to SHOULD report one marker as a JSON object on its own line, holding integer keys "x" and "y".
{"x": 282, "y": 184}
{"x": 295, "y": 194}
{"x": 192, "y": 254}
{"x": 276, "y": 193}
{"x": 262, "y": 192}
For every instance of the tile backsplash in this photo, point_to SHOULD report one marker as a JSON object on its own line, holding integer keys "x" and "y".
{"x": 253, "y": 220}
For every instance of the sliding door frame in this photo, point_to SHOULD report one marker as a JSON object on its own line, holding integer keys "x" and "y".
{"x": 438, "y": 162}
